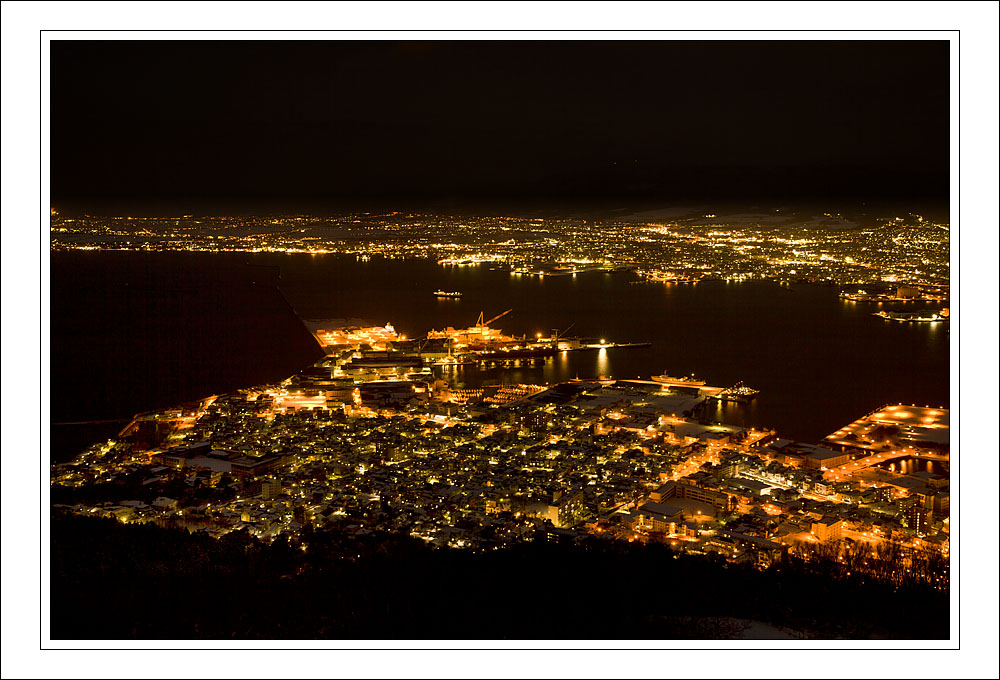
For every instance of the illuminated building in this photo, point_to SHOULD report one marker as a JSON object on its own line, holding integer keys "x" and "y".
{"x": 827, "y": 529}
{"x": 270, "y": 488}
{"x": 819, "y": 457}
{"x": 716, "y": 499}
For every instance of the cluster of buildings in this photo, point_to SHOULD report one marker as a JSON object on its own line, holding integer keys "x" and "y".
{"x": 906, "y": 250}
{"x": 893, "y": 293}
{"x": 382, "y": 448}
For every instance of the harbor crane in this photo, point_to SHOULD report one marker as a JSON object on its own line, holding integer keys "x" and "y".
{"x": 565, "y": 331}
{"x": 484, "y": 324}
{"x": 420, "y": 349}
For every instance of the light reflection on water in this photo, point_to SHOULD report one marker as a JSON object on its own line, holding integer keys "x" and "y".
{"x": 744, "y": 414}
{"x": 603, "y": 363}
{"x": 819, "y": 362}
{"x": 908, "y": 466}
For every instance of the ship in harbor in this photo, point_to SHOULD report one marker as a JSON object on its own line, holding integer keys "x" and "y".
{"x": 686, "y": 381}
{"x": 447, "y": 294}
{"x": 923, "y": 316}
{"x": 738, "y": 393}
{"x": 452, "y": 360}
{"x": 604, "y": 344}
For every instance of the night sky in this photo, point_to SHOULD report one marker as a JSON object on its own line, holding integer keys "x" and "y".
{"x": 176, "y": 123}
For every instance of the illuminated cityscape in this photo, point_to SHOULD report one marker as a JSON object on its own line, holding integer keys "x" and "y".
{"x": 390, "y": 436}
{"x": 406, "y": 341}
{"x": 368, "y": 440}
{"x": 800, "y": 247}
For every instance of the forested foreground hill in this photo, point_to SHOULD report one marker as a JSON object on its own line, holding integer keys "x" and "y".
{"x": 110, "y": 581}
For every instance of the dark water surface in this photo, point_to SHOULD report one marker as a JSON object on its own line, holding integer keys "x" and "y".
{"x": 195, "y": 326}
{"x": 133, "y": 332}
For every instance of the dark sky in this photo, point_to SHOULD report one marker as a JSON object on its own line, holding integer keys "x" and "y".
{"x": 177, "y": 122}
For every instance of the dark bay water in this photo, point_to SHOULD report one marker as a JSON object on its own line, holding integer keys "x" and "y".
{"x": 820, "y": 362}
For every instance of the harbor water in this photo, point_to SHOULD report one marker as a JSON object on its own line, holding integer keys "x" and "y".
{"x": 819, "y": 361}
